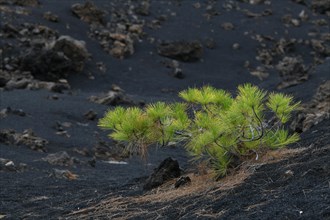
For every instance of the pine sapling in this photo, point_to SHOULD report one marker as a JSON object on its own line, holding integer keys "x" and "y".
{"x": 212, "y": 125}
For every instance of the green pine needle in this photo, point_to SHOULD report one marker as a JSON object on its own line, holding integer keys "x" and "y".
{"x": 212, "y": 125}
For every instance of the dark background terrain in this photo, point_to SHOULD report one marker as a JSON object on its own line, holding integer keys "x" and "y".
{"x": 237, "y": 38}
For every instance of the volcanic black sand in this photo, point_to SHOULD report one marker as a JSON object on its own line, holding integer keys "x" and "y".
{"x": 56, "y": 163}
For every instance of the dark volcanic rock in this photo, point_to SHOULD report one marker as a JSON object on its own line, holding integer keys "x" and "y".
{"x": 50, "y": 63}
{"x": 181, "y": 50}
{"x": 89, "y": 13}
{"x": 292, "y": 70}
{"x": 184, "y": 180}
{"x": 31, "y": 3}
{"x": 6, "y": 111}
{"x": 60, "y": 158}
{"x": 115, "y": 96}
{"x": 143, "y": 8}
{"x": 27, "y": 138}
{"x": 90, "y": 115}
{"x": 50, "y": 16}
{"x": 167, "y": 170}
{"x": 315, "y": 111}
{"x": 4, "y": 78}
{"x": 322, "y": 6}
{"x": 7, "y": 165}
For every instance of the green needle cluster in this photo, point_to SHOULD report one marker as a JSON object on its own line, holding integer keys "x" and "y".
{"x": 212, "y": 125}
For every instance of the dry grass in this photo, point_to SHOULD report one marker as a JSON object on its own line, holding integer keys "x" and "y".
{"x": 158, "y": 200}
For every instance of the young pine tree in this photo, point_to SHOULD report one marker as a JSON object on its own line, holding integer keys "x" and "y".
{"x": 211, "y": 124}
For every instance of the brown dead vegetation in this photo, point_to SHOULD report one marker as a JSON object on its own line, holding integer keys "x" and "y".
{"x": 126, "y": 207}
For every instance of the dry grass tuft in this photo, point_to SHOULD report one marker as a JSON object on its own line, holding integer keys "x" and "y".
{"x": 160, "y": 199}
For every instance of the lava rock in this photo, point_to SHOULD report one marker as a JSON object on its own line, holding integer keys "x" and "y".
{"x": 167, "y": 170}
{"x": 181, "y": 50}
{"x": 60, "y": 158}
{"x": 292, "y": 71}
{"x": 89, "y": 13}
{"x": 50, "y": 16}
{"x": 90, "y": 115}
{"x": 57, "y": 60}
{"x": 184, "y": 180}
{"x": 322, "y": 6}
{"x": 27, "y": 138}
{"x": 114, "y": 97}
{"x": 312, "y": 113}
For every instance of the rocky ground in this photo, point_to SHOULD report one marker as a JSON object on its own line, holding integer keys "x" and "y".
{"x": 63, "y": 64}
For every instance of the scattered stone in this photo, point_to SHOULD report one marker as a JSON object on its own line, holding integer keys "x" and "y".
{"x": 227, "y": 26}
{"x": 114, "y": 97}
{"x": 303, "y": 15}
{"x": 31, "y": 3}
{"x": 50, "y": 16}
{"x": 92, "y": 162}
{"x": 4, "y": 77}
{"x": 197, "y": 5}
{"x": 27, "y": 138}
{"x": 59, "y": 126}
{"x": 58, "y": 87}
{"x": 7, "y": 165}
{"x": 236, "y": 46}
{"x": 325, "y": 36}
{"x": 320, "y": 47}
{"x": 6, "y": 111}
{"x": 210, "y": 11}
{"x": 110, "y": 151}
{"x": 256, "y": 2}
{"x": 18, "y": 80}
{"x": 260, "y": 72}
{"x": 266, "y": 12}
{"x": 295, "y": 22}
{"x": 55, "y": 61}
{"x": 64, "y": 174}
{"x": 90, "y": 115}
{"x": 181, "y": 50}
{"x": 61, "y": 158}
{"x": 136, "y": 29}
{"x": 167, "y": 170}
{"x": 210, "y": 43}
{"x": 284, "y": 46}
{"x": 29, "y": 33}
{"x": 315, "y": 111}
{"x": 122, "y": 46}
{"x": 89, "y": 13}
{"x": 84, "y": 151}
{"x": 101, "y": 66}
{"x": 119, "y": 45}
{"x": 53, "y": 97}
{"x": 63, "y": 133}
{"x": 73, "y": 49}
{"x": 143, "y": 7}
{"x": 247, "y": 64}
{"x": 292, "y": 71}
{"x": 154, "y": 24}
{"x": 288, "y": 173}
{"x": 182, "y": 181}
{"x": 124, "y": 28}
{"x": 321, "y": 6}
{"x": 264, "y": 56}
{"x": 177, "y": 71}
{"x": 43, "y": 56}
{"x": 320, "y": 22}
